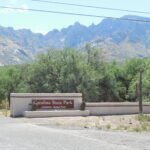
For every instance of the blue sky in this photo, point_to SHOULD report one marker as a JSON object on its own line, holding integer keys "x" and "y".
{"x": 44, "y": 22}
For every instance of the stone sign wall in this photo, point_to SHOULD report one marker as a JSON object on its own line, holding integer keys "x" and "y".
{"x": 21, "y": 102}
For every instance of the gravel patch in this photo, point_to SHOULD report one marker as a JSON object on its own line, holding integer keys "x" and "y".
{"x": 126, "y": 122}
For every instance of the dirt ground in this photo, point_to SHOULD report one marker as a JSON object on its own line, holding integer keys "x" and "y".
{"x": 116, "y": 122}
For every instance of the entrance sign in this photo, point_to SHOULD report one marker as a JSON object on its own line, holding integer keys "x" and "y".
{"x": 53, "y": 104}
{"x": 43, "y": 103}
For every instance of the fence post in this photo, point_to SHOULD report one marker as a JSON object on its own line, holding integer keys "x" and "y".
{"x": 140, "y": 93}
{"x": 6, "y": 105}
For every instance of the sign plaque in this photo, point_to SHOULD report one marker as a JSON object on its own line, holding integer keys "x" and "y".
{"x": 53, "y": 104}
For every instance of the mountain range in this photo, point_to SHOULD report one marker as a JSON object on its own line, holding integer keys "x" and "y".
{"x": 117, "y": 38}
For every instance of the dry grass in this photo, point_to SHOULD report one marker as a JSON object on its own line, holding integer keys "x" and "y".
{"x": 144, "y": 123}
{"x": 127, "y": 123}
{"x": 4, "y": 113}
{"x": 4, "y": 109}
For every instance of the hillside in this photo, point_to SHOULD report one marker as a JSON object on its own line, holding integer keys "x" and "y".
{"x": 11, "y": 53}
{"x": 119, "y": 39}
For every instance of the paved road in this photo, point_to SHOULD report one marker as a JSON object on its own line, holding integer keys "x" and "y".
{"x": 19, "y": 134}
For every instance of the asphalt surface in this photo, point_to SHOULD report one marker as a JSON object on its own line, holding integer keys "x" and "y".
{"x": 22, "y": 134}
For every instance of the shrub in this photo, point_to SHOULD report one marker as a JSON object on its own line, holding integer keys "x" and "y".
{"x": 83, "y": 105}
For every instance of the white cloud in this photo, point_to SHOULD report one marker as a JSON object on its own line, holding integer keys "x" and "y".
{"x": 13, "y": 1}
{"x": 38, "y": 30}
{"x": 24, "y": 8}
{"x": 6, "y": 10}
